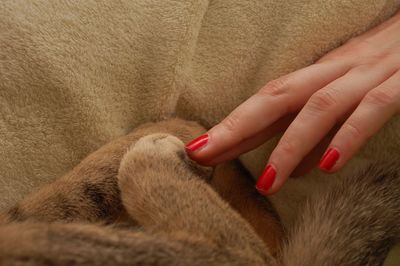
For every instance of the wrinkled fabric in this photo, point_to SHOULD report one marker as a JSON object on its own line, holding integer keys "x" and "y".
{"x": 74, "y": 75}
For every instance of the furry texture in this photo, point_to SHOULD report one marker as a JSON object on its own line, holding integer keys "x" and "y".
{"x": 183, "y": 221}
{"x": 160, "y": 207}
{"x": 355, "y": 222}
{"x": 74, "y": 75}
{"x": 164, "y": 211}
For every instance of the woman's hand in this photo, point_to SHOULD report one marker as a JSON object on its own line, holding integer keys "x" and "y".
{"x": 352, "y": 91}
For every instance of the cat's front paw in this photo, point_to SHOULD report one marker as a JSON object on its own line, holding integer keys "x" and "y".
{"x": 164, "y": 154}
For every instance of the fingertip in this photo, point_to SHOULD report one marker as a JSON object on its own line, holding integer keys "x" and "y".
{"x": 269, "y": 192}
{"x": 199, "y": 150}
{"x": 337, "y": 167}
{"x": 329, "y": 160}
{"x": 196, "y": 148}
{"x": 211, "y": 148}
{"x": 331, "y": 171}
{"x": 197, "y": 144}
{"x": 204, "y": 162}
{"x": 266, "y": 180}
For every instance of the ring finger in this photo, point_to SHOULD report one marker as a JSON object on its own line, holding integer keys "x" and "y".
{"x": 324, "y": 109}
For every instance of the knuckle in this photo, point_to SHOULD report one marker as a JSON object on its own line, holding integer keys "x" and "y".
{"x": 379, "y": 97}
{"x": 231, "y": 122}
{"x": 287, "y": 147}
{"x": 275, "y": 87}
{"x": 385, "y": 55}
{"x": 361, "y": 68}
{"x": 351, "y": 129}
{"x": 359, "y": 44}
{"x": 322, "y": 100}
{"x": 378, "y": 57}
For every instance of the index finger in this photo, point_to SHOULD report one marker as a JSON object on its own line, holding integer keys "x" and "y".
{"x": 277, "y": 99}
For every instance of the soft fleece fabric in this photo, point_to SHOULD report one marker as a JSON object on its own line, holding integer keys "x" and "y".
{"x": 76, "y": 74}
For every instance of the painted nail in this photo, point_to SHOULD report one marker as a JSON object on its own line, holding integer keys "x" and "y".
{"x": 329, "y": 159}
{"x": 197, "y": 143}
{"x": 265, "y": 181}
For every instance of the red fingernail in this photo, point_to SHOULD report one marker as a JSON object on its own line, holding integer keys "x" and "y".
{"x": 197, "y": 143}
{"x": 267, "y": 178}
{"x": 329, "y": 159}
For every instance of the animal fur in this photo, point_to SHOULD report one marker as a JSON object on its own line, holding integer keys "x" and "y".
{"x": 355, "y": 223}
{"x": 61, "y": 221}
{"x": 76, "y": 74}
{"x": 140, "y": 201}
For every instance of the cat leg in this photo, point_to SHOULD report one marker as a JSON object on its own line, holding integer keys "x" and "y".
{"x": 39, "y": 244}
{"x": 235, "y": 185}
{"x": 355, "y": 222}
{"x": 90, "y": 191}
{"x": 167, "y": 194}
{"x": 185, "y": 222}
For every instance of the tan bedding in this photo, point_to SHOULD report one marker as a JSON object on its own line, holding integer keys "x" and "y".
{"x": 76, "y": 74}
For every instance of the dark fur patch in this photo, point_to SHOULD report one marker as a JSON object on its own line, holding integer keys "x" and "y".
{"x": 99, "y": 198}
{"x": 381, "y": 173}
{"x": 384, "y": 177}
{"x": 66, "y": 207}
{"x": 15, "y": 214}
{"x": 378, "y": 252}
{"x": 182, "y": 155}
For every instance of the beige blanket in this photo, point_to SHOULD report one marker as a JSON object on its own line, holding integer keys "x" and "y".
{"x": 76, "y": 74}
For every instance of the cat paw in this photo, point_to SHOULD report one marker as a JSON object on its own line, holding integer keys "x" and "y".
{"x": 155, "y": 174}
{"x": 163, "y": 153}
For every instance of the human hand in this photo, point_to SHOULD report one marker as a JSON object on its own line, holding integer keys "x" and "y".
{"x": 352, "y": 91}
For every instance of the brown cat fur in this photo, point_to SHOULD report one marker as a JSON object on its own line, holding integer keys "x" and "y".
{"x": 53, "y": 224}
{"x": 158, "y": 209}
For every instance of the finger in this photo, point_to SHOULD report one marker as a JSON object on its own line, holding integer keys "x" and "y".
{"x": 277, "y": 99}
{"x": 253, "y": 141}
{"x": 312, "y": 159}
{"x": 319, "y": 115}
{"x": 378, "y": 106}
{"x": 314, "y": 156}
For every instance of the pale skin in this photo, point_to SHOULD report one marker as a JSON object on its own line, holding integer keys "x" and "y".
{"x": 329, "y": 108}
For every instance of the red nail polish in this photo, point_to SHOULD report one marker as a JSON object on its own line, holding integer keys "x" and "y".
{"x": 267, "y": 178}
{"x": 329, "y": 159}
{"x": 197, "y": 143}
